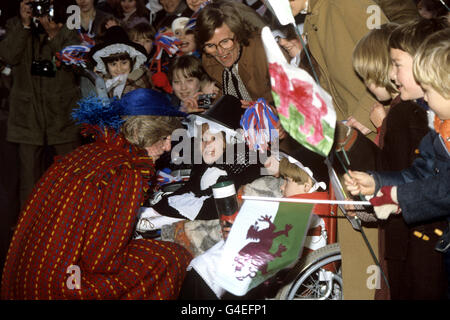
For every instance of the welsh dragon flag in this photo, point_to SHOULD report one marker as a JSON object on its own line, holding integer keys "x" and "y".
{"x": 305, "y": 110}
{"x": 266, "y": 237}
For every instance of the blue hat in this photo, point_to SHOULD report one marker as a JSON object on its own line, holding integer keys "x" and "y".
{"x": 108, "y": 113}
{"x": 147, "y": 102}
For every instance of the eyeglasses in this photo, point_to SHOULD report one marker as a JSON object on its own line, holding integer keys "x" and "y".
{"x": 225, "y": 44}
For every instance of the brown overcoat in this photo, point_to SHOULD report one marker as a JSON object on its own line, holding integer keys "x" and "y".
{"x": 253, "y": 69}
{"x": 332, "y": 29}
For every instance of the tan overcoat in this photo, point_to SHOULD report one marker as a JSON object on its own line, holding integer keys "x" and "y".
{"x": 332, "y": 29}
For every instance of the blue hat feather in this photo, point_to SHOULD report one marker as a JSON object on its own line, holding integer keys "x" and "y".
{"x": 109, "y": 112}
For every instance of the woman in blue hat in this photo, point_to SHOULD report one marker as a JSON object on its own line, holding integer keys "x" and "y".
{"x": 74, "y": 236}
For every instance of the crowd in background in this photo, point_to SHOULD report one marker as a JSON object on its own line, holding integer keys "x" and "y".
{"x": 193, "y": 52}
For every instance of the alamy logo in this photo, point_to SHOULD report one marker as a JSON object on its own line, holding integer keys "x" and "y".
{"x": 373, "y": 281}
{"x": 74, "y": 280}
{"x": 74, "y": 20}
{"x": 374, "y": 20}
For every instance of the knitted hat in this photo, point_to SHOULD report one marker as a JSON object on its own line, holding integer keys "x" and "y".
{"x": 115, "y": 41}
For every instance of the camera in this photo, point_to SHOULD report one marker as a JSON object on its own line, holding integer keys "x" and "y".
{"x": 205, "y": 100}
{"x": 43, "y": 68}
{"x": 40, "y": 8}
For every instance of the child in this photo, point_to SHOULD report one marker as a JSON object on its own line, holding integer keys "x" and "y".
{"x": 299, "y": 183}
{"x": 288, "y": 40}
{"x": 189, "y": 80}
{"x": 186, "y": 36}
{"x": 120, "y": 61}
{"x": 132, "y": 12}
{"x": 420, "y": 193}
{"x": 222, "y": 159}
{"x": 143, "y": 34}
{"x": 399, "y": 136}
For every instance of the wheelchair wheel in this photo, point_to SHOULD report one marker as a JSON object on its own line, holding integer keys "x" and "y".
{"x": 317, "y": 276}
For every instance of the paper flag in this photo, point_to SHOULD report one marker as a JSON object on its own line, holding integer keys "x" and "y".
{"x": 305, "y": 110}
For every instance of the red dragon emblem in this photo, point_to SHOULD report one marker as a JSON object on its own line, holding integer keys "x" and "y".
{"x": 255, "y": 256}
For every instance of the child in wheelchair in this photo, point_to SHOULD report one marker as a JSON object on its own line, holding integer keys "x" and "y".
{"x": 298, "y": 182}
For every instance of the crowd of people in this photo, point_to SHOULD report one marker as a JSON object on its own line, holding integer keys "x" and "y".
{"x": 90, "y": 111}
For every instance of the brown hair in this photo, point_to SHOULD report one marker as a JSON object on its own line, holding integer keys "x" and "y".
{"x": 409, "y": 36}
{"x": 142, "y": 30}
{"x": 290, "y": 170}
{"x": 144, "y": 131}
{"x": 243, "y": 21}
{"x": 116, "y": 57}
{"x": 141, "y": 10}
{"x": 371, "y": 57}
{"x": 190, "y": 66}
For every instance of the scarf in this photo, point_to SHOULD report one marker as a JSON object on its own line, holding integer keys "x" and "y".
{"x": 443, "y": 128}
{"x": 232, "y": 82}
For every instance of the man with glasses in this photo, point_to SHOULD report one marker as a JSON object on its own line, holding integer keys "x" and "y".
{"x": 229, "y": 35}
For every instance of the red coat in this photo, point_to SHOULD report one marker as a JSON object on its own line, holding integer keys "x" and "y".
{"x": 82, "y": 212}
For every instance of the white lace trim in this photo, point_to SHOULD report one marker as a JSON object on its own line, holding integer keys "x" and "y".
{"x": 194, "y": 125}
{"x": 138, "y": 57}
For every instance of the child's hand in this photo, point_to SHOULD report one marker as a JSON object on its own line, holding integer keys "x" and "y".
{"x": 352, "y": 122}
{"x": 357, "y": 182}
{"x": 190, "y": 104}
{"x": 377, "y": 114}
{"x": 246, "y": 104}
{"x": 281, "y": 133}
{"x": 111, "y": 23}
{"x": 272, "y": 166}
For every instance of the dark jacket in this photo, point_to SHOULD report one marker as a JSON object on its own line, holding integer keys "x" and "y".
{"x": 424, "y": 188}
{"x": 240, "y": 174}
{"x": 40, "y": 107}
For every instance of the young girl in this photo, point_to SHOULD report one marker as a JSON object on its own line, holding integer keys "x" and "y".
{"x": 143, "y": 34}
{"x": 288, "y": 40}
{"x": 186, "y": 36}
{"x": 223, "y": 158}
{"x": 120, "y": 62}
{"x": 189, "y": 80}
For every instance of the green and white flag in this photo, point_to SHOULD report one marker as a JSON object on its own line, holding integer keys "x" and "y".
{"x": 305, "y": 110}
{"x": 266, "y": 237}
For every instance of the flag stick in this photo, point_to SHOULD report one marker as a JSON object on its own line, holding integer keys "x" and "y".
{"x": 294, "y": 200}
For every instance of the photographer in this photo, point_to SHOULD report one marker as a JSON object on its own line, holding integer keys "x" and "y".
{"x": 42, "y": 96}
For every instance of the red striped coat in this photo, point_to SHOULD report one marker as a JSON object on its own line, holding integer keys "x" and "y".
{"x": 82, "y": 213}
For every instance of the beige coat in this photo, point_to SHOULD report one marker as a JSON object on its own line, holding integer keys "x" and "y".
{"x": 332, "y": 30}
